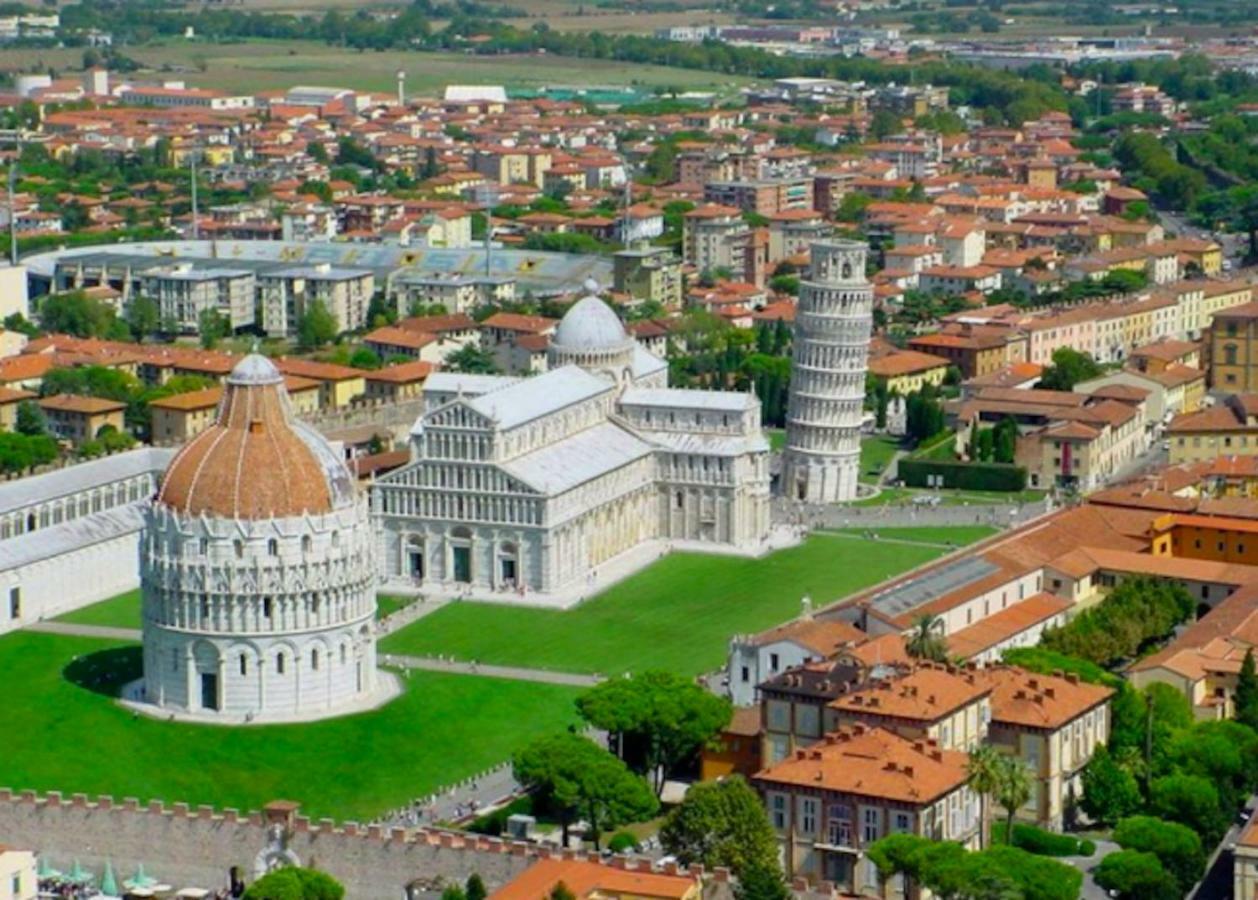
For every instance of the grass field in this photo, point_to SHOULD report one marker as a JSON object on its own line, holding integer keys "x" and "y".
{"x": 250, "y": 66}
{"x": 876, "y": 453}
{"x": 61, "y": 736}
{"x": 678, "y": 614}
{"x": 955, "y": 535}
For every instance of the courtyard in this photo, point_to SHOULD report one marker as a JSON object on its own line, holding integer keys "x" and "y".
{"x": 678, "y": 614}
{"x": 63, "y": 731}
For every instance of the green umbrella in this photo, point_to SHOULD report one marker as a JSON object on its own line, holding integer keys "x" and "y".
{"x": 46, "y": 870}
{"x": 108, "y": 883}
{"x": 141, "y": 879}
{"x": 79, "y": 875}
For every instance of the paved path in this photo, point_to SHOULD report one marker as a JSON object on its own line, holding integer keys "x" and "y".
{"x": 1086, "y": 864}
{"x": 882, "y": 539}
{"x": 94, "y": 631}
{"x": 543, "y": 676}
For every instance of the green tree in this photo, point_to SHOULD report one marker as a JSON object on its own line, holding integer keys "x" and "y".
{"x": 294, "y": 883}
{"x": 561, "y": 892}
{"x": 453, "y": 892}
{"x": 762, "y": 882}
{"x": 1014, "y": 785}
{"x": 1246, "y": 698}
{"x": 1037, "y": 877}
{"x": 75, "y": 313}
{"x": 316, "y": 327}
{"x": 983, "y": 773}
{"x": 1176, "y": 846}
{"x": 30, "y": 419}
{"x": 365, "y": 358}
{"x": 1190, "y": 800}
{"x": 1134, "y": 875}
{"x": 578, "y": 779}
{"x": 472, "y": 360}
{"x": 474, "y": 889}
{"x": 927, "y": 640}
{"x": 884, "y": 124}
{"x": 1068, "y": 369}
{"x": 212, "y": 327}
{"x": 1110, "y": 792}
{"x": 143, "y": 317}
{"x": 720, "y": 823}
{"x": 658, "y": 719}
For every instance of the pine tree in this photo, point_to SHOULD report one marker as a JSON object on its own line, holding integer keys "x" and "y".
{"x": 1246, "y": 700}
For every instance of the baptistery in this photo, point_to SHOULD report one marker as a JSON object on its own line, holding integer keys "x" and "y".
{"x": 257, "y": 569}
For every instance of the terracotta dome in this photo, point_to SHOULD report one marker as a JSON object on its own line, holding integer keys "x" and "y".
{"x": 256, "y": 461}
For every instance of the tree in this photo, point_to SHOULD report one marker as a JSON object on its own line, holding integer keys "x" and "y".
{"x": 1176, "y": 846}
{"x": 474, "y": 889}
{"x": 1246, "y": 699}
{"x": 30, "y": 419}
{"x": 927, "y": 640}
{"x": 316, "y": 327}
{"x": 983, "y": 774}
{"x": 1038, "y": 878}
{"x": 295, "y": 883}
{"x": 1190, "y": 800}
{"x": 1014, "y": 786}
{"x": 75, "y": 313}
{"x": 212, "y": 327}
{"x": 658, "y": 719}
{"x": 884, "y": 124}
{"x": 143, "y": 317}
{"x": 1110, "y": 792}
{"x": 561, "y": 892}
{"x": 1068, "y": 369}
{"x": 453, "y": 892}
{"x": 720, "y": 823}
{"x": 1136, "y": 876}
{"x": 762, "y": 882}
{"x": 577, "y": 778}
{"x": 1005, "y": 440}
{"x": 472, "y": 360}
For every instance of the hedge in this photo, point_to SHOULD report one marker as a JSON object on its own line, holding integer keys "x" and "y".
{"x": 1048, "y": 843}
{"x": 966, "y": 475}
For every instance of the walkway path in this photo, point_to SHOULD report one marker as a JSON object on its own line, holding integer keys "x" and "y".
{"x": 454, "y": 667}
{"x": 93, "y": 631}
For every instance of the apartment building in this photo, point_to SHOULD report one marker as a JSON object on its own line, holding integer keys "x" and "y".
{"x": 179, "y": 418}
{"x": 764, "y": 196}
{"x": 183, "y": 292}
{"x": 716, "y": 238}
{"x": 1229, "y": 428}
{"x": 76, "y": 419}
{"x": 1233, "y": 349}
{"x": 285, "y": 295}
{"x": 648, "y": 273}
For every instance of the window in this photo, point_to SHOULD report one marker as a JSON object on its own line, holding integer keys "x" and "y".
{"x": 273, "y": 547}
{"x": 239, "y": 547}
{"x": 314, "y": 659}
{"x": 342, "y": 654}
{"x": 808, "y": 815}
{"x": 871, "y": 827}
{"x": 244, "y": 664}
{"x": 204, "y": 546}
{"x": 279, "y": 664}
{"x": 15, "y": 603}
{"x": 746, "y": 673}
{"x": 268, "y": 607}
{"x": 1229, "y": 354}
{"x": 307, "y": 544}
{"x": 773, "y": 662}
{"x": 205, "y": 606}
{"x": 903, "y": 823}
{"x": 777, "y": 811}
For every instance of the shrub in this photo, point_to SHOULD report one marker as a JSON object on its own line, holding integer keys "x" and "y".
{"x": 1136, "y": 876}
{"x": 622, "y": 842}
{"x": 1048, "y": 843}
{"x": 964, "y": 475}
{"x": 1176, "y": 846}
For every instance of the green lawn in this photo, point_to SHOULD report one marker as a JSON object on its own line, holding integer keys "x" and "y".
{"x": 60, "y": 736}
{"x": 678, "y": 614}
{"x": 957, "y": 535}
{"x": 387, "y": 604}
{"x": 876, "y": 453}
{"x": 122, "y": 611}
{"x": 777, "y": 438}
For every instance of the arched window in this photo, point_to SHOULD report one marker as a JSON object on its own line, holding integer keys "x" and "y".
{"x": 244, "y": 664}
{"x": 279, "y": 664}
{"x": 273, "y": 547}
{"x": 30, "y": 522}
{"x": 314, "y": 659}
{"x": 239, "y": 546}
{"x": 268, "y": 607}
{"x": 342, "y": 654}
{"x": 314, "y": 603}
{"x": 1229, "y": 354}
{"x": 306, "y": 543}
{"x": 847, "y": 270}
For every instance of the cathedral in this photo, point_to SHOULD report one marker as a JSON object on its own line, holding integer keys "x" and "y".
{"x": 532, "y": 483}
{"x": 257, "y": 568}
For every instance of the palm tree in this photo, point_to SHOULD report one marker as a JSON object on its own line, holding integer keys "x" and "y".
{"x": 926, "y": 641}
{"x": 983, "y": 770}
{"x": 1014, "y": 785}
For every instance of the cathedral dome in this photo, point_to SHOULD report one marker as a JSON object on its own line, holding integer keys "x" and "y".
{"x": 256, "y": 461}
{"x": 590, "y": 325}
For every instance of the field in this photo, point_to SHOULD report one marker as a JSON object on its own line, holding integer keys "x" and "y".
{"x": 876, "y": 454}
{"x": 678, "y": 614}
{"x": 275, "y": 65}
{"x": 59, "y": 735}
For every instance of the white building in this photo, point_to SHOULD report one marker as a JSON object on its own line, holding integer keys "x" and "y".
{"x": 183, "y": 292}
{"x": 258, "y": 569}
{"x": 285, "y": 295}
{"x": 821, "y": 461}
{"x": 534, "y": 483}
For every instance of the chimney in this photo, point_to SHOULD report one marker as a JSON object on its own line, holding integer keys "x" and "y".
{"x": 1072, "y": 678}
{"x": 908, "y": 770}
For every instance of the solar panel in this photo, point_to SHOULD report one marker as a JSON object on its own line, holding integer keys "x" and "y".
{"x": 944, "y": 580}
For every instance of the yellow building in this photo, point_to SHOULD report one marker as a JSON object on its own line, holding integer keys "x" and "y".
{"x": 400, "y": 382}
{"x": 180, "y": 417}
{"x": 1234, "y": 349}
{"x": 338, "y": 385}
{"x": 1214, "y": 538}
{"x": 1245, "y": 863}
{"x": 19, "y": 877}
{"x": 10, "y": 400}
{"x": 907, "y": 371}
{"x": 73, "y": 418}
{"x": 1228, "y": 429}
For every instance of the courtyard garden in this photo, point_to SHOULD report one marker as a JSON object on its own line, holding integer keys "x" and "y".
{"x": 677, "y": 615}
{"x": 64, "y": 731}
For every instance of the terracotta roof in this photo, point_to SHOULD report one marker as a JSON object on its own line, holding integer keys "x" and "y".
{"x": 403, "y": 373}
{"x": 822, "y": 636}
{"x": 872, "y": 762}
{"x": 926, "y": 694}
{"x": 745, "y": 721}
{"x": 76, "y": 403}
{"x": 904, "y": 362}
{"x": 1039, "y": 701}
{"x": 585, "y": 879}
{"x": 516, "y": 322}
{"x": 1005, "y": 624}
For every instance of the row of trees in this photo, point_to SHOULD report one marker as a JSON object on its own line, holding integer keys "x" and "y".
{"x": 1139, "y": 610}
{"x": 949, "y": 871}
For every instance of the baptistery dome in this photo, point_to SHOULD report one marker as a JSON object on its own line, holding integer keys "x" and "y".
{"x": 257, "y": 567}
{"x": 256, "y": 461}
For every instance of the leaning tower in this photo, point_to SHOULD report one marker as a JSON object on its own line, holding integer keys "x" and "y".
{"x": 821, "y": 461}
